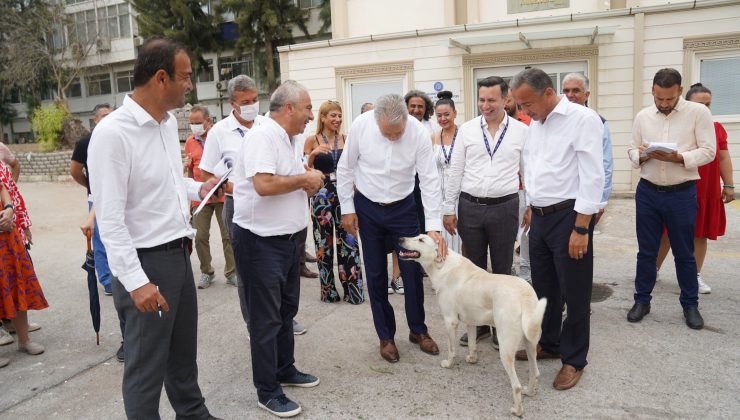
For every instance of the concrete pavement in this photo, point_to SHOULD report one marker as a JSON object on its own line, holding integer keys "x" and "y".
{"x": 658, "y": 368}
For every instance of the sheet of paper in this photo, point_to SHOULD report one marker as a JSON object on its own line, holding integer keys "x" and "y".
{"x": 208, "y": 196}
{"x": 661, "y": 147}
{"x": 225, "y": 164}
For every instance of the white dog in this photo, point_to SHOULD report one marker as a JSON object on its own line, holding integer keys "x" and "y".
{"x": 476, "y": 297}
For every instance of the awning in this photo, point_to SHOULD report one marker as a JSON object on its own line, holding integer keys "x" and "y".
{"x": 526, "y": 37}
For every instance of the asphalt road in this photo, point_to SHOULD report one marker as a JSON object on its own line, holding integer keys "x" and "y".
{"x": 658, "y": 368}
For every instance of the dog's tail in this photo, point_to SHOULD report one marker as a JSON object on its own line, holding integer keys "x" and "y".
{"x": 532, "y": 321}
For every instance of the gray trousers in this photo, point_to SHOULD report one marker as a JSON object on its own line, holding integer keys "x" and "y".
{"x": 162, "y": 349}
{"x": 485, "y": 228}
{"x": 228, "y": 215}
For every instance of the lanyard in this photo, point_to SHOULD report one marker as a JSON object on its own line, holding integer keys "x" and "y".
{"x": 241, "y": 132}
{"x": 335, "y": 150}
{"x": 485, "y": 137}
{"x": 446, "y": 155}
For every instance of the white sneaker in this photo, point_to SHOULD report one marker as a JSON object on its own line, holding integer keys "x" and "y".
{"x": 206, "y": 280}
{"x": 397, "y": 285}
{"x": 5, "y": 337}
{"x": 703, "y": 287}
{"x": 32, "y": 326}
{"x": 31, "y": 348}
{"x": 390, "y": 287}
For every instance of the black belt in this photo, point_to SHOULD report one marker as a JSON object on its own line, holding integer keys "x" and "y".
{"x": 488, "y": 201}
{"x": 179, "y": 243}
{"x": 286, "y": 237}
{"x": 383, "y": 204}
{"x": 541, "y": 211}
{"x": 669, "y": 188}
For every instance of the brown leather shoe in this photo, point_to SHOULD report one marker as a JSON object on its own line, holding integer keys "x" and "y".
{"x": 305, "y": 272}
{"x": 388, "y": 350}
{"x": 310, "y": 258}
{"x": 425, "y": 342}
{"x": 541, "y": 354}
{"x": 567, "y": 378}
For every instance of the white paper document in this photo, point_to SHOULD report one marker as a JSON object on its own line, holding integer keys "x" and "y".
{"x": 213, "y": 190}
{"x": 659, "y": 147}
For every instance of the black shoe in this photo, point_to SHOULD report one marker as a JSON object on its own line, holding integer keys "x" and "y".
{"x": 481, "y": 332}
{"x": 638, "y": 311}
{"x": 119, "y": 353}
{"x": 693, "y": 318}
{"x": 281, "y": 406}
{"x": 301, "y": 380}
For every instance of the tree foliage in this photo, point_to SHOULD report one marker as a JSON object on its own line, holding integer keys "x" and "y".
{"x": 182, "y": 20}
{"x": 325, "y": 16}
{"x": 47, "y": 123}
{"x": 263, "y": 26}
{"x": 36, "y": 49}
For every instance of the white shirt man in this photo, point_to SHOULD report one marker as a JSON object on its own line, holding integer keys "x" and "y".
{"x": 564, "y": 181}
{"x": 271, "y": 214}
{"x": 384, "y": 150}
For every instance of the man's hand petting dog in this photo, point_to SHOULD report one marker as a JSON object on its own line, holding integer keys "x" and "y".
{"x": 441, "y": 244}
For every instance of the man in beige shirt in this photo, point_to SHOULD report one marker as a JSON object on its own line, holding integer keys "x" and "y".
{"x": 666, "y": 193}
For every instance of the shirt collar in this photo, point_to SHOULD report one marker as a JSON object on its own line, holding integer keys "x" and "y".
{"x": 141, "y": 115}
{"x": 233, "y": 123}
{"x": 500, "y": 125}
{"x": 561, "y": 107}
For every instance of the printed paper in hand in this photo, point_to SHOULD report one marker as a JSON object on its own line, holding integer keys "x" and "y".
{"x": 659, "y": 147}
{"x": 208, "y": 196}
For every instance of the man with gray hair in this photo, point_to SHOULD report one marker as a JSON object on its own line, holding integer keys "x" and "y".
{"x": 385, "y": 148}
{"x": 564, "y": 181}
{"x": 576, "y": 89}
{"x": 271, "y": 185}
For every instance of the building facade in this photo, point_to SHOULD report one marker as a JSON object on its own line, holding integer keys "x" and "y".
{"x": 108, "y": 71}
{"x": 385, "y": 46}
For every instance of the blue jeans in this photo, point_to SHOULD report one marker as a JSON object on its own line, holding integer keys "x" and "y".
{"x": 101, "y": 257}
{"x": 677, "y": 211}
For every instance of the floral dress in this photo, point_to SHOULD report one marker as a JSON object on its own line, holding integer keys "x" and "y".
{"x": 329, "y": 236}
{"x": 19, "y": 288}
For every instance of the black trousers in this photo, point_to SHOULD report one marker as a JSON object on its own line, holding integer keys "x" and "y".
{"x": 556, "y": 275}
{"x": 162, "y": 349}
{"x": 228, "y": 216}
{"x": 489, "y": 227}
{"x": 269, "y": 269}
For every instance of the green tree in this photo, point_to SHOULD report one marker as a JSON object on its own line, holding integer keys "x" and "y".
{"x": 47, "y": 123}
{"x": 36, "y": 50}
{"x": 263, "y": 26}
{"x": 325, "y": 16}
{"x": 188, "y": 21}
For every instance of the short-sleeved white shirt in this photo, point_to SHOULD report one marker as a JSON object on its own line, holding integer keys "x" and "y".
{"x": 225, "y": 138}
{"x": 268, "y": 149}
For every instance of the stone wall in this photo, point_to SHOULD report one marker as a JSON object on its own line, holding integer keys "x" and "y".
{"x": 52, "y": 166}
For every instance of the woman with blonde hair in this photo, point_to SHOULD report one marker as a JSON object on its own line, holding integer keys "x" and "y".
{"x": 323, "y": 150}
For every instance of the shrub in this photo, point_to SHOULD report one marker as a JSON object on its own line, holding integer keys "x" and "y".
{"x": 47, "y": 123}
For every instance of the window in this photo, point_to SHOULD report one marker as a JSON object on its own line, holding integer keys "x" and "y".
{"x": 125, "y": 81}
{"x": 228, "y": 67}
{"x": 46, "y": 92}
{"x": 369, "y": 91}
{"x": 205, "y": 73}
{"x": 720, "y": 73}
{"x": 112, "y": 22}
{"x": 309, "y": 4}
{"x": 16, "y": 96}
{"x": 98, "y": 84}
{"x": 75, "y": 1}
{"x": 74, "y": 90}
{"x": 84, "y": 28}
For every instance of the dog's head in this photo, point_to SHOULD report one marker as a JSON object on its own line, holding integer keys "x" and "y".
{"x": 421, "y": 249}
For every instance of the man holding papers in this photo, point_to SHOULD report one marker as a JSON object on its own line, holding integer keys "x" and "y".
{"x": 666, "y": 193}
{"x": 200, "y": 125}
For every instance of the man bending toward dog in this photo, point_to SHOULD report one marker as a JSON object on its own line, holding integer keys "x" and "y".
{"x": 563, "y": 180}
{"x": 384, "y": 149}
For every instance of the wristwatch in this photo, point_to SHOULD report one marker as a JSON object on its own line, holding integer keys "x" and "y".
{"x": 581, "y": 230}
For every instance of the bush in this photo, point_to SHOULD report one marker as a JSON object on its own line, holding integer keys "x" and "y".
{"x": 47, "y": 123}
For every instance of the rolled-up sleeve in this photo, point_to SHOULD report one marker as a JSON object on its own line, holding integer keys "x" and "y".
{"x": 634, "y": 150}
{"x": 108, "y": 162}
{"x": 345, "y": 173}
{"x": 589, "y": 153}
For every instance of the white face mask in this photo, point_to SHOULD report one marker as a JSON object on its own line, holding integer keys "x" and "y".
{"x": 249, "y": 112}
{"x": 197, "y": 129}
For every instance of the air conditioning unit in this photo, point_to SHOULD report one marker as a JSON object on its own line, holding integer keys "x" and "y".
{"x": 102, "y": 44}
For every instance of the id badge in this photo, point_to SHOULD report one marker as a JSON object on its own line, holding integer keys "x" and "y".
{"x": 333, "y": 177}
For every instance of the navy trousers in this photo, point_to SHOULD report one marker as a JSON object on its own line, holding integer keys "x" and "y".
{"x": 555, "y": 275}
{"x": 676, "y": 211}
{"x": 269, "y": 271}
{"x": 376, "y": 224}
